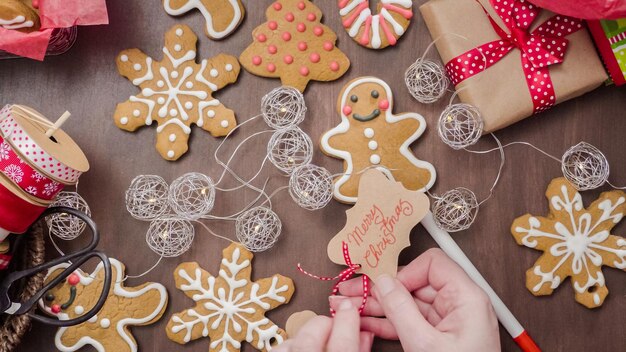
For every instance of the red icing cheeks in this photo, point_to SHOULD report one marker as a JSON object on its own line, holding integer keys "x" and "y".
{"x": 383, "y": 104}
{"x": 289, "y": 17}
{"x": 346, "y": 110}
{"x": 334, "y": 66}
{"x": 288, "y": 59}
{"x": 272, "y": 49}
{"x": 272, "y": 25}
{"x": 256, "y": 60}
{"x": 301, "y": 27}
{"x": 55, "y": 308}
{"x": 286, "y": 36}
{"x": 277, "y": 6}
{"x": 302, "y": 46}
{"x": 73, "y": 279}
{"x": 314, "y": 57}
{"x": 304, "y": 71}
{"x": 261, "y": 38}
{"x": 328, "y": 46}
{"x": 311, "y": 17}
{"x": 318, "y": 30}
{"x": 271, "y": 67}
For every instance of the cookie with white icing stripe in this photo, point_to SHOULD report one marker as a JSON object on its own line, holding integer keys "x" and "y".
{"x": 17, "y": 15}
{"x": 222, "y": 17}
{"x": 230, "y": 308}
{"x": 370, "y": 135}
{"x": 176, "y": 92}
{"x": 576, "y": 242}
{"x": 380, "y": 30}
{"x": 109, "y": 330}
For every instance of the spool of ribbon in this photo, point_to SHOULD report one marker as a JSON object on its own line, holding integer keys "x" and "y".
{"x": 17, "y": 211}
{"x": 540, "y": 48}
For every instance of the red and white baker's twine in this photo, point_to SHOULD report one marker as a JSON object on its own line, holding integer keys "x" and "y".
{"x": 345, "y": 275}
{"x": 540, "y": 48}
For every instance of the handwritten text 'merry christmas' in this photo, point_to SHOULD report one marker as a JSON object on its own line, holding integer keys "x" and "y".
{"x": 376, "y": 231}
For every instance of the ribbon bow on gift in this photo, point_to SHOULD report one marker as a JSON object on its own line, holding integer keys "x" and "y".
{"x": 540, "y": 48}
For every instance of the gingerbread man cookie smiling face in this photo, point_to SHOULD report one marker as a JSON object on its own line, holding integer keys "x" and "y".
{"x": 370, "y": 135}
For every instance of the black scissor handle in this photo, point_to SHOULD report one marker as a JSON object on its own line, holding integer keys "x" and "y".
{"x": 69, "y": 270}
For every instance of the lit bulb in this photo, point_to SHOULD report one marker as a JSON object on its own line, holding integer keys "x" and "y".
{"x": 257, "y": 228}
{"x": 165, "y": 235}
{"x": 580, "y": 166}
{"x": 203, "y": 191}
{"x": 449, "y": 118}
{"x": 291, "y": 161}
{"x": 457, "y": 206}
{"x": 151, "y": 200}
{"x": 283, "y": 109}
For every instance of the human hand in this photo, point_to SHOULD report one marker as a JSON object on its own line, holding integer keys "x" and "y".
{"x": 432, "y": 305}
{"x": 338, "y": 334}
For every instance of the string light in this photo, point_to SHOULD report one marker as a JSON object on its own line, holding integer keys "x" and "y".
{"x": 170, "y": 237}
{"x": 585, "y": 166}
{"x": 258, "y": 229}
{"x": 311, "y": 186}
{"x": 192, "y": 195}
{"x": 283, "y": 107}
{"x": 147, "y": 197}
{"x": 455, "y": 210}
{"x": 460, "y": 125}
{"x": 290, "y": 148}
{"x": 426, "y": 80}
{"x": 63, "y": 225}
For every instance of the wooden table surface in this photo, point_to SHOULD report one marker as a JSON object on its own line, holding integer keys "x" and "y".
{"x": 85, "y": 81}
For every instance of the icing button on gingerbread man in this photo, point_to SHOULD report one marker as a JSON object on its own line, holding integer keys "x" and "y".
{"x": 370, "y": 135}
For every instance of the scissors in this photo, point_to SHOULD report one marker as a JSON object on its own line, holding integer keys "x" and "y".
{"x": 8, "y": 306}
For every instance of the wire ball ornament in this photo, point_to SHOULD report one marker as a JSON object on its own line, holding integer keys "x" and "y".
{"x": 170, "y": 237}
{"x": 455, "y": 210}
{"x": 258, "y": 229}
{"x": 192, "y": 195}
{"x": 311, "y": 186}
{"x": 65, "y": 226}
{"x": 283, "y": 107}
{"x": 460, "y": 125}
{"x": 290, "y": 148}
{"x": 585, "y": 166}
{"x": 147, "y": 197}
{"x": 426, "y": 80}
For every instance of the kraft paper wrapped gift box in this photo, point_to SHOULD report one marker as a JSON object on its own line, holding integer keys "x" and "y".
{"x": 501, "y": 91}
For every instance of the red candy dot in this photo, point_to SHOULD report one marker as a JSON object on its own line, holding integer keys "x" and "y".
{"x": 289, "y": 17}
{"x": 271, "y": 67}
{"x": 286, "y": 36}
{"x": 301, "y": 5}
{"x": 256, "y": 60}
{"x": 318, "y": 31}
{"x": 301, "y": 27}
{"x": 328, "y": 46}
{"x": 277, "y": 6}
{"x": 334, "y": 66}
{"x": 55, "y": 308}
{"x": 315, "y": 57}
{"x": 383, "y": 104}
{"x": 304, "y": 71}
{"x": 347, "y": 110}
{"x": 272, "y": 49}
{"x": 288, "y": 59}
{"x": 311, "y": 17}
{"x": 302, "y": 46}
{"x": 73, "y": 279}
{"x": 261, "y": 37}
{"x": 272, "y": 25}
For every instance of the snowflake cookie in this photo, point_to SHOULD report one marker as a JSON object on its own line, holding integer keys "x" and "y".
{"x": 229, "y": 308}
{"x": 576, "y": 242}
{"x": 108, "y": 331}
{"x": 176, "y": 92}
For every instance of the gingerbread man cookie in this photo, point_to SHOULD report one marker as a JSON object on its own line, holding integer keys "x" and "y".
{"x": 230, "y": 308}
{"x": 17, "y": 15}
{"x": 222, "y": 17}
{"x": 108, "y": 331}
{"x": 294, "y": 46}
{"x": 380, "y": 30}
{"x": 576, "y": 242}
{"x": 176, "y": 92}
{"x": 370, "y": 135}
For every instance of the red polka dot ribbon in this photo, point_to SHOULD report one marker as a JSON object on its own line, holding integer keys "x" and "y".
{"x": 24, "y": 175}
{"x": 540, "y": 48}
{"x": 345, "y": 275}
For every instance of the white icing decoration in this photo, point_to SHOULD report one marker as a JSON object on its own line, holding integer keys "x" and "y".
{"x": 224, "y": 304}
{"x": 201, "y": 106}
{"x": 137, "y": 67}
{"x": 190, "y": 4}
{"x": 118, "y": 290}
{"x": 354, "y": 30}
{"x": 170, "y": 153}
{"x": 105, "y": 323}
{"x": 173, "y": 112}
{"x": 174, "y": 74}
{"x": 214, "y": 73}
{"x": 161, "y": 100}
{"x": 397, "y": 28}
{"x": 376, "y": 41}
{"x": 190, "y": 55}
{"x": 16, "y": 23}
{"x": 79, "y": 310}
{"x": 177, "y": 47}
{"x": 93, "y": 319}
{"x": 172, "y": 137}
{"x": 124, "y": 58}
{"x": 178, "y": 122}
{"x": 224, "y": 123}
{"x": 124, "y": 120}
{"x": 179, "y": 32}
{"x": 373, "y": 145}
{"x": 228, "y": 67}
{"x": 580, "y": 244}
{"x": 368, "y": 132}
{"x": 375, "y": 159}
{"x": 210, "y": 113}
{"x": 404, "y": 149}
{"x": 148, "y": 76}
{"x": 189, "y": 85}
{"x": 200, "y": 77}
{"x": 349, "y": 7}
{"x": 150, "y": 105}
{"x": 188, "y": 105}
{"x": 365, "y": 15}
{"x": 136, "y": 113}
{"x": 160, "y": 84}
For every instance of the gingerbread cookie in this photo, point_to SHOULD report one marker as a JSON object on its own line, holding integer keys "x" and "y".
{"x": 294, "y": 46}
{"x": 370, "y": 135}
{"x": 108, "y": 331}
{"x": 17, "y": 15}
{"x": 380, "y": 30}
{"x": 229, "y": 308}
{"x": 576, "y": 242}
{"x": 176, "y": 92}
{"x": 222, "y": 16}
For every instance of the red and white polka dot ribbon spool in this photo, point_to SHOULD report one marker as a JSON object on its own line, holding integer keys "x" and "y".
{"x": 540, "y": 48}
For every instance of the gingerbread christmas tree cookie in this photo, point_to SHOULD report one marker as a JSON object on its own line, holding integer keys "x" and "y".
{"x": 108, "y": 331}
{"x": 294, "y": 46}
{"x": 576, "y": 242}
{"x": 370, "y": 135}
{"x": 176, "y": 92}
{"x": 230, "y": 308}
{"x": 222, "y": 17}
